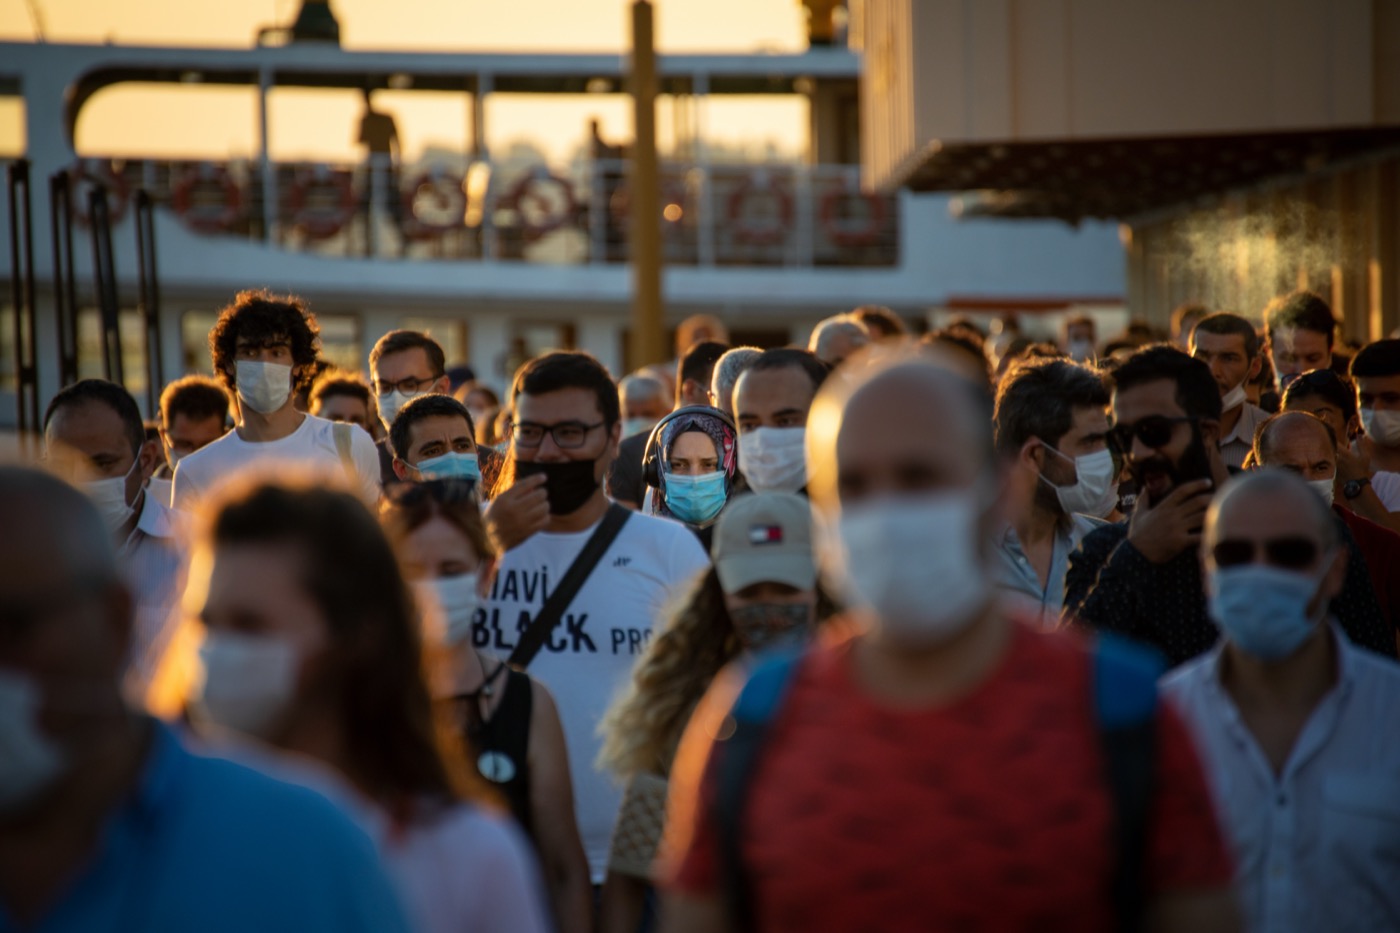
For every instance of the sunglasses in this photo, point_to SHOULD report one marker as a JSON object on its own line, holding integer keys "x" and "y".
{"x": 1155, "y": 431}
{"x": 1296, "y": 553}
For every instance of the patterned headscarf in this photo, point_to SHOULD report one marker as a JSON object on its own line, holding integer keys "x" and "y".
{"x": 712, "y": 426}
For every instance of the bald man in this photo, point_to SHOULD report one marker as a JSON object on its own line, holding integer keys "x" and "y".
{"x": 1304, "y": 444}
{"x": 107, "y": 822}
{"x": 860, "y": 817}
{"x": 1295, "y": 724}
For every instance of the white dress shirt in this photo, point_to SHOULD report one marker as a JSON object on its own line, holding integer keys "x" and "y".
{"x": 1317, "y": 846}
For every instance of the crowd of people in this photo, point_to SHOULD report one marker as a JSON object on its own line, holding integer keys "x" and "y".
{"x": 944, "y": 631}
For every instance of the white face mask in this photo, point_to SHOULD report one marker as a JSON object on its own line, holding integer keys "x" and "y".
{"x": 1094, "y": 492}
{"x": 456, "y": 598}
{"x": 392, "y": 403}
{"x": 774, "y": 459}
{"x": 109, "y": 496}
{"x": 1383, "y": 427}
{"x": 249, "y": 680}
{"x": 263, "y": 387}
{"x": 913, "y": 561}
{"x": 1324, "y": 487}
{"x": 1234, "y": 398}
{"x": 29, "y": 760}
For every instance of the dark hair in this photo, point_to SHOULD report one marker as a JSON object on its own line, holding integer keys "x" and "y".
{"x": 466, "y": 389}
{"x": 411, "y": 505}
{"x": 1381, "y": 358}
{"x": 1038, "y": 399}
{"x": 569, "y": 369}
{"x": 1079, "y": 320}
{"x": 961, "y": 340}
{"x": 1300, "y": 310}
{"x": 880, "y": 321}
{"x": 107, "y": 393}
{"x": 1225, "y": 324}
{"x": 789, "y": 358}
{"x": 400, "y": 745}
{"x": 1325, "y": 384}
{"x": 259, "y": 318}
{"x": 1196, "y": 390}
{"x": 1263, "y": 433}
{"x": 698, "y": 363}
{"x": 425, "y": 406}
{"x": 333, "y": 382}
{"x": 198, "y": 398}
{"x": 398, "y": 340}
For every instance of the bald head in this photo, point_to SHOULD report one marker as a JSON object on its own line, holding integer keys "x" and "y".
{"x": 52, "y": 530}
{"x": 1298, "y": 442}
{"x": 909, "y": 427}
{"x": 1269, "y": 504}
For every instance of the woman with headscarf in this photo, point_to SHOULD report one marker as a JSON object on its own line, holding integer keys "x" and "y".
{"x": 690, "y": 466}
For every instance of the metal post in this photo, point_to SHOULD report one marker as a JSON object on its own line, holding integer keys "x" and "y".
{"x": 705, "y": 195}
{"x": 150, "y": 299}
{"x": 270, "y": 212}
{"x": 22, "y": 295}
{"x": 65, "y": 285}
{"x": 645, "y": 240}
{"x": 105, "y": 284}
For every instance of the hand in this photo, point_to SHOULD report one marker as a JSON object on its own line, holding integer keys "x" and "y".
{"x": 518, "y": 513}
{"x": 1352, "y": 463}
{"x": 1164, "y": 530}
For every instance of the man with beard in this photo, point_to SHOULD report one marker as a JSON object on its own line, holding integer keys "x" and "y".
{"x": 1141, "y": 577}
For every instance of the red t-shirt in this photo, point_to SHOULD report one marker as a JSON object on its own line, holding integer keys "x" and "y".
{"x": 990, "y": 813}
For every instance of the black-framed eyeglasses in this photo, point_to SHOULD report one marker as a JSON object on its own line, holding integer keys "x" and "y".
{"x": 410, "y": 386}
{"x": 441, "y": 491}
{"x": 568, "y": 435}
{"x": 1154, "y": 431}
{"x": 1289, "y": 553}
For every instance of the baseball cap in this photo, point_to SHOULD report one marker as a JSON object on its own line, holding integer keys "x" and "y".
{"x": 765, "y": 537}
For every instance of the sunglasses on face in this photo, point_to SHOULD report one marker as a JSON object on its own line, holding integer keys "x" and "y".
{"x": 1296, "y": 553}
{"x": 1155, "y": 431}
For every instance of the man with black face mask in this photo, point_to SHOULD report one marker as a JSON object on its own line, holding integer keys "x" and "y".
{"x": 564, "y": 436}
{"x": 1141, "y": 577}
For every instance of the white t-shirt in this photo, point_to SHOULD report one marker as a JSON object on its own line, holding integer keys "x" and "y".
{"x": 588, "y": 658}
{"x": 310, "y": 446}
{"x": 1387, "y": 487}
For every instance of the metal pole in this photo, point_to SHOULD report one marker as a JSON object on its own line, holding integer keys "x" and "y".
{"x": 22, "y": 294}
{"x": 648, "y": 311}
{"x": 105, "y": 284}
{"x": 65, "y": 285}
{"x": 150, "y": 298}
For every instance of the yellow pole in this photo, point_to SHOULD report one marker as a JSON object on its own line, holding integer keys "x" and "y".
{"x": 648, "y": 312}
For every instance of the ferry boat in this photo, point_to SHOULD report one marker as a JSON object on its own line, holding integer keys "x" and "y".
{"x": 499, "y": 259}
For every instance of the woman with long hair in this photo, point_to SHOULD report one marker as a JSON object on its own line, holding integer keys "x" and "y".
{"x": 762, "y": 590}
{"x": 508, "y": 719}
{"x": 311, "y": 645}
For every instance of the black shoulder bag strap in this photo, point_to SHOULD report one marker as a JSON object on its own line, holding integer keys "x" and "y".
{"x": 533, "y": 638}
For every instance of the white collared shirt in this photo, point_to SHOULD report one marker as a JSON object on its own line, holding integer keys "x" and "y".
{"x": 152, "y": 561}
{"x": 1317, "y": 847}
{"x": 1236, "y": 447}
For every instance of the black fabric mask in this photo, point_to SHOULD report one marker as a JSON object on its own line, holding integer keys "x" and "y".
{"x": 569, "y": 484}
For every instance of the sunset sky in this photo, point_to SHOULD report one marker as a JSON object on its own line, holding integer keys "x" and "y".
{"x": 219, "y": 123}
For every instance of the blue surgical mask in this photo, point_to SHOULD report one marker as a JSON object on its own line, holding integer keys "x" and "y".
{"x": 451, "y": 465}
{"x": 1263, "y": 610}
{"x": 696, "y": 500}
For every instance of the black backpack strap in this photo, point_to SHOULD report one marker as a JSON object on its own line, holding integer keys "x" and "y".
{"x": 1125, "y": 706}
{"x": 533, "y": 638}
{"x": 751, "y": 717}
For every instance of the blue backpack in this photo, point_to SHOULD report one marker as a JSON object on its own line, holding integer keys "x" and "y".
{"x": 1125, "y": 705}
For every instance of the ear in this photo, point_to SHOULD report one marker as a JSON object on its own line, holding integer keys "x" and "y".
{"x": 401, "y": 470}
{"x": 149, "y": 457}
{"x": 1210, "y": 431}
{"x": 443, "y": 386}
{"x": 1032, "y": 454}
{"x": 1255, "y": 365}
{"x": 1334, "y": 579}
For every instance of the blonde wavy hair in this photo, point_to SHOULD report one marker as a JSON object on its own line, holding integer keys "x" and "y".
{"x": 643, "y": 727}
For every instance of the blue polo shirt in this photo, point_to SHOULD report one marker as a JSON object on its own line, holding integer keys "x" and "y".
{"x": 206, "y": 844}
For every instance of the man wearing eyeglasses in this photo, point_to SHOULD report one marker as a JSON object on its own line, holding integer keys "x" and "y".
{"x": 1140, "y": 577}
{"x": 565, "y": 434}
{"x": 403, "y": 365}
{"x": 1228, "y": 345}
{"x": 1290, "y": 719}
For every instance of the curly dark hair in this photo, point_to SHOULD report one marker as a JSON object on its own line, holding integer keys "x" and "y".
{"x": 261, "y": 318}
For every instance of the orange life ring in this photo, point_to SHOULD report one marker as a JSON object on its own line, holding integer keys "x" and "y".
{"x": 118, "y": 192}
{"x": 866, "y": 234}
{"x": 317, "y": 222}
{"x": 450, "y": 198}
{"x": 198, "y": 215}
{"x": 524, "y": 194}
{"x": 759, "y": 234}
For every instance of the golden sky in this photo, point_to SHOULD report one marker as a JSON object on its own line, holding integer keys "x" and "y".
{"x": 218, "y": 123}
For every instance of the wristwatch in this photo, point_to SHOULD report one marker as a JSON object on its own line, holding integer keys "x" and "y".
{"x": 1352, "y": 488}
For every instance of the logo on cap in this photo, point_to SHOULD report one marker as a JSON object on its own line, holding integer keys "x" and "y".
{"x": 766, "y": 534}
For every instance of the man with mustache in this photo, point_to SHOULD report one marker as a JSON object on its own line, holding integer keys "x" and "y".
{"x": 1141, "y": 577}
